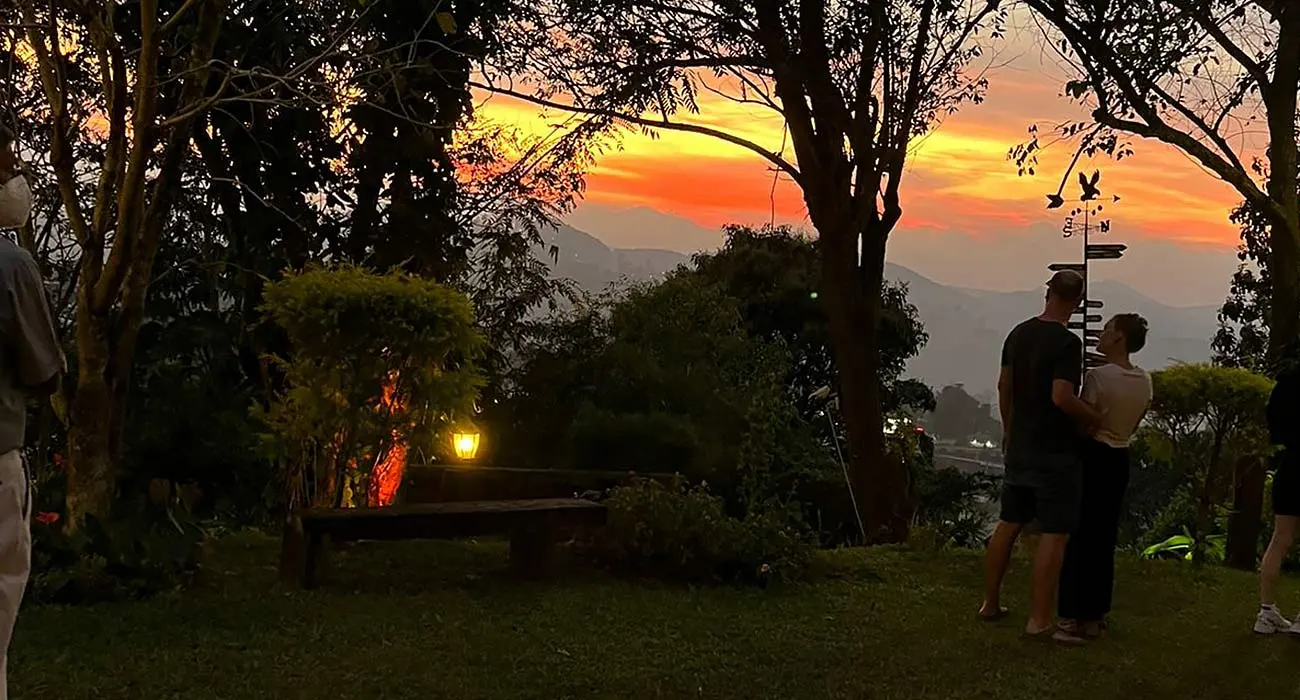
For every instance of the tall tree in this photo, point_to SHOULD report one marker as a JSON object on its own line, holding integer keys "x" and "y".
{"x": 149, "y": 98}
{"x": 145, "y": 101}
{"x": 1198, "y": 75}
{"x": 854, "y": 83}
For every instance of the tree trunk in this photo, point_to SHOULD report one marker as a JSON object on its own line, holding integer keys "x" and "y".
{"x": 1280, "y": 102}
{"x": 1244, "y": 523}
{"x": 881, "y": 484}
{"x": 91, "y": 462}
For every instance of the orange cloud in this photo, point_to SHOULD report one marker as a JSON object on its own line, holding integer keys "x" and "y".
{"x": 958, "y": 179}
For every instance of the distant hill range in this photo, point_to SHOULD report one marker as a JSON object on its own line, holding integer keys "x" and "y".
{"x": 966, "y": 326}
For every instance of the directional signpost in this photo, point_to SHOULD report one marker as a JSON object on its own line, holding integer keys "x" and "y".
{"x": 1104, "y": 251}
{"x": 1081, "y": 221}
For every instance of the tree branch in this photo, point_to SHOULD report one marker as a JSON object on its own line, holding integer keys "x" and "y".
{"x": 1196, "y": 9}
{"x": 772, "y": 157}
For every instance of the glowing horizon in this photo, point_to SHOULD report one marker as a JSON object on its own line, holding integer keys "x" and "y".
{"x": 958, "y": 178}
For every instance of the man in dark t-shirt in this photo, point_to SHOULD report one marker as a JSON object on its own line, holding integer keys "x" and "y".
{"x": 1042, "y": 363}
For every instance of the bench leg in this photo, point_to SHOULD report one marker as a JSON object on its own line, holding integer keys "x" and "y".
{"x": 315, "y": 551}
{"x": 532, "y": 549}
{"x": 293, "y": 552}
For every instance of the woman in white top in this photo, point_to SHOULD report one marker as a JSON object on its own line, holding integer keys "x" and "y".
{"x": 1121, "y": 393}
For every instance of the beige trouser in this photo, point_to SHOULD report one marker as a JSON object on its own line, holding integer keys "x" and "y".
{"x": 15, "y": 551}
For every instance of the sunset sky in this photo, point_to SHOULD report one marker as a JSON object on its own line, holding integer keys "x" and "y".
{"x": 969, "y": 219}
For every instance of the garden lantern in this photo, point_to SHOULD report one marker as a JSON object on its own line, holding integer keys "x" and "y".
{"x": 465, "y": 443}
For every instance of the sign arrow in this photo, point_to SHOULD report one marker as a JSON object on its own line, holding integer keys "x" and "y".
{"x": 1058, "y": 267}
{"x": 1093, "y": 304}
{"x": 1093, "y": 359}
{"x": 1104, "y": 251}
{"x": 1091, "y": 341}
{"x": 1091, "y": 333}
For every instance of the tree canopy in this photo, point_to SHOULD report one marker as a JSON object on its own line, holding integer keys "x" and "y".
{"x": 1216, "y": 79}
{"x": 852, "y": 85}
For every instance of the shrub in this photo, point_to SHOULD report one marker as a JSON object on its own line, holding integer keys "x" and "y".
{"x": 379, "y": 364}
{"x": 953, "y": 507}
{"x": 1204, "y": 420}
{"x": 146, "y": 550}
{"x": 684, "y": 534}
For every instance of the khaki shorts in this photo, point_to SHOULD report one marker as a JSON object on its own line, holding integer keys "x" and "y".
{"x": 15, "y": 550}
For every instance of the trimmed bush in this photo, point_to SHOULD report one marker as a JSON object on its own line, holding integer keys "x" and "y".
{"x": 683, "y": 534}
{"x": 378, "y": 363}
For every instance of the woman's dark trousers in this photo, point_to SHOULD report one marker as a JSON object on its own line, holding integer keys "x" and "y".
{"x": 1088, "y": 574}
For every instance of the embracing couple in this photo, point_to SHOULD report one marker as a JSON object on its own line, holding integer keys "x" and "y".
{"x": 1067, "y": 462}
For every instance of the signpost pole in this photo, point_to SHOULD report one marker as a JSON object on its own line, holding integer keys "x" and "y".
{"x": 1091, "y": 251}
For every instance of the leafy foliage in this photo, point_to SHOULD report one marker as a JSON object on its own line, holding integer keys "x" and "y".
{"x": 1203, "y": 77}
{"x": 775, "y": 272}
{"x": 1184, "y": 546}
{"x": 1204, "y": 419}
{"x": 954, "y": 506}
{"x": 323, "y": 132}
{"x": 377, "y": 361}
{"x": 685, "y": 534}
{"x": 1155, "y": 499}
{"x": 960, "y": 417}
{"x": 1242, "y": 337}
{"x": 149, "y": 549}
{"x": 666, "y": 380}
{"x": 854, "y": 82}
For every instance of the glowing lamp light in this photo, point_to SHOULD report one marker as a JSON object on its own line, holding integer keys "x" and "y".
{"x": 465, "y": 444}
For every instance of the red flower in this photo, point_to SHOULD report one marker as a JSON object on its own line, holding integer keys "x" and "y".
{"x": 47, "y": 518}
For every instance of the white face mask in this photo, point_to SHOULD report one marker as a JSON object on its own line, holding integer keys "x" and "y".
{"x": 15, "y": 202}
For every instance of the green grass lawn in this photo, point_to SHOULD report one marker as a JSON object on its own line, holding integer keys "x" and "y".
{"x": 440, "y": 620}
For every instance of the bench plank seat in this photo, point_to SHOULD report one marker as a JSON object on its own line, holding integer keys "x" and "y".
{"x": 534, "y": 526}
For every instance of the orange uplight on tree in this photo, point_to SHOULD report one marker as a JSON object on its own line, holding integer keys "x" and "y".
{"x": 465, "y": 443}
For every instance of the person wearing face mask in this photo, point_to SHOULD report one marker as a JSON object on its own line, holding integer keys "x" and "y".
{"x": 31, "y": 363}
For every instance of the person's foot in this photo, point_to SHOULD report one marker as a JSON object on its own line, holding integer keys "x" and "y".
{"x": 1270, "y": 620}
{"x": 1054, "y": 634}
{"x": 993, "y": 612}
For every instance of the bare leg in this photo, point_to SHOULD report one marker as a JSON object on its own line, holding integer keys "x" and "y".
{"x": 1047, "y": 574}
{"x": 1270, "y": 569}
{"x": 998, "y": 559}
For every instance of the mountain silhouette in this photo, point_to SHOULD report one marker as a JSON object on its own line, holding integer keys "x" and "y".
{"x": 966, "y": 326}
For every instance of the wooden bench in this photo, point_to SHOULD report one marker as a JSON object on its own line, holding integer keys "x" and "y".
{"x": 534, "y": 526}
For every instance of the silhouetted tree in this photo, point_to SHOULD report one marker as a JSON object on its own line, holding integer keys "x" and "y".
{"x": 960, "y": 416}
{"x": 774, "y": 273}
{"x": 854, "y": 82}
{"x": 1197, "y": 74}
